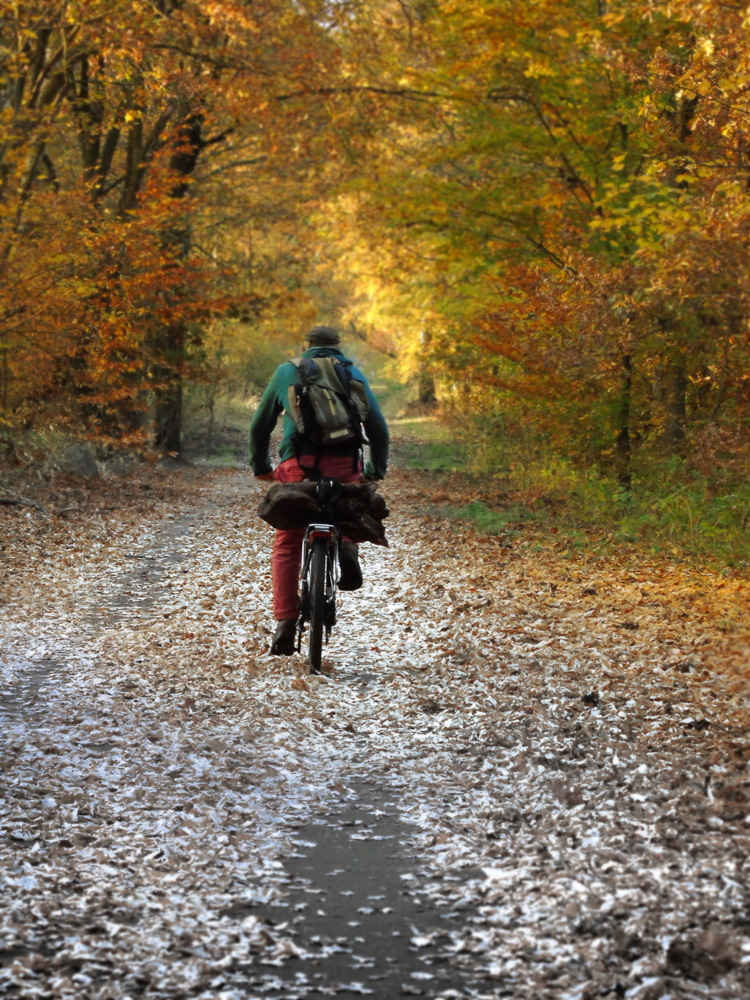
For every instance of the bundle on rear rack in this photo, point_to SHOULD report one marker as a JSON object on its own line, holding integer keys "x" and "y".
{"x": 357, "y": 508}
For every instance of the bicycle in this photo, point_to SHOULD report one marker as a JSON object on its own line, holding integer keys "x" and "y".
{"x": 319, "y": 575}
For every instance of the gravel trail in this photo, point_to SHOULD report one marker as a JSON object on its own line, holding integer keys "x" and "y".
{"x": 522, "y": 774}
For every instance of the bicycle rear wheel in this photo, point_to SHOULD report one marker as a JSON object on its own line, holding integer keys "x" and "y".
{"x": 318, "y": 561}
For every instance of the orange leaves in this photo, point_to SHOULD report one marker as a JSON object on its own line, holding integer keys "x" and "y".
{"x": 581, "y": 223}
{"x": 108, "y": 221}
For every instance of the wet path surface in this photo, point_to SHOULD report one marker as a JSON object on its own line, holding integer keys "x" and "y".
{"x": 503, "y": 785}
{"x": 354, "y": 908}
{"x": 25, "y": 680}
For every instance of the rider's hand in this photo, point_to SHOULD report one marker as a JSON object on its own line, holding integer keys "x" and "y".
{"x": 265, "y": 477}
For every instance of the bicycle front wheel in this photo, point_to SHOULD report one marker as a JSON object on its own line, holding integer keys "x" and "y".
{"x": 318, "y": 561}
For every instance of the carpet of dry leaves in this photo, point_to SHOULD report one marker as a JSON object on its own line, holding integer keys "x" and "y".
{"x": 570, "y": 732}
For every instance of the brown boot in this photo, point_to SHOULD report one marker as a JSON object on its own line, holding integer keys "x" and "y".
{"x": 284, "y": 642}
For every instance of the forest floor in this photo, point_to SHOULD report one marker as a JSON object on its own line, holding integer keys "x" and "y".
{"x": 523, "y": 773}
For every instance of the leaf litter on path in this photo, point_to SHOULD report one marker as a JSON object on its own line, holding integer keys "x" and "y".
{"x": 157, "y": 761}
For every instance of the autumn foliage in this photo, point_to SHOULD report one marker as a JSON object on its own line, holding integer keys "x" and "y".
{"x": 544, "y": 206}
{"x": 118, "y": 118}
{"x": 567, "y": 200}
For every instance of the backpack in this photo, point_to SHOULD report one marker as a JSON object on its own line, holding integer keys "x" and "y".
{"x": 329, "y": 407}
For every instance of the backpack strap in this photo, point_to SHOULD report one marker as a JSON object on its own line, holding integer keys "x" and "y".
{"x": 306, "y": 367}
{"x": 345, "y": 378}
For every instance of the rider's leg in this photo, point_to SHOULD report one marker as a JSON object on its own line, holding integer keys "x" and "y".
{"x": 287, "y": 547}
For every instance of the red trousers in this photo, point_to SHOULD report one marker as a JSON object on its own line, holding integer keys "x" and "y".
{"x": 287, "y": 547}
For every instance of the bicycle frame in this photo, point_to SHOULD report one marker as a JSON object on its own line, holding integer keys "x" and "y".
{"x": 329, "y": 535}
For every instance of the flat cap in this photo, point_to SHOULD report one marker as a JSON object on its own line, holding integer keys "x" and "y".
{"x": 323, "y": 336}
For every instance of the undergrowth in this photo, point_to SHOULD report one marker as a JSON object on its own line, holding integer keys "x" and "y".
{"x": 687, "y": 523}
{"x": 689, "y": 519}
{"x": 671, "y": 509}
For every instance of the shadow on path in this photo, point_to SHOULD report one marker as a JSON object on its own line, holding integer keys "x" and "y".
{"x": 356, "y": 913}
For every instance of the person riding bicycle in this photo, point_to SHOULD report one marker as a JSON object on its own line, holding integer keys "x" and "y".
{"x": 297, "y": 459}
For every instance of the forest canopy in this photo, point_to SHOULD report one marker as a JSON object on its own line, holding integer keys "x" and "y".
{"x": 543, "y": 208}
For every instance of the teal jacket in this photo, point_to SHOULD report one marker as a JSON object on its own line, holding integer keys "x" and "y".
{"x": 276, "y": 400}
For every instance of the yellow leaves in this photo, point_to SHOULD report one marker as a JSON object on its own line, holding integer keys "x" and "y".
{"x": 729, "y": 85}
{"x": 612, "y": 18}
{"x": 647, "y": 244}
{"x": 84, "y": 289}
{"x": 588, "y": 35}
{"x": 537, "y": 69}
{"x": 607, "y": 224}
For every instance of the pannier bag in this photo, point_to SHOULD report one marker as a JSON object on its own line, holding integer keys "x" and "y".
{"x": 358, "y": 509}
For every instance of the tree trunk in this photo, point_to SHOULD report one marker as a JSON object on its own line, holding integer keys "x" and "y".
{"x": 426, "y": 388}
{"x": 623, "y": 439}
{"x": 4, "y": 348}
{"x": 427, "y": 392}
{"x": 168, "y": 411}
{"x": 170, "y": 344}
{"x": 676, "y": 407}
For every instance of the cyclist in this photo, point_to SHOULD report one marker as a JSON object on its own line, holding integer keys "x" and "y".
{"x": 296, "y": 460}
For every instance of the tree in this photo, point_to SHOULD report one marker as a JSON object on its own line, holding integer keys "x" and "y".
{"x": 568, "y": 190}
{"x": 115, "y": 107}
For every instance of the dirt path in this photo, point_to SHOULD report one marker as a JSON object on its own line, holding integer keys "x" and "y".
{"x": 524, "y": 774}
